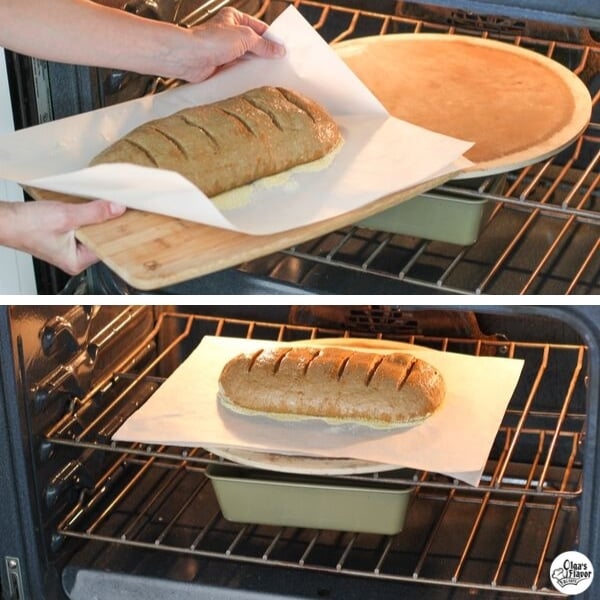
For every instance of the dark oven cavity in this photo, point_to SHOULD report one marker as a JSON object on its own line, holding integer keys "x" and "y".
{"x": 98, "y": 516}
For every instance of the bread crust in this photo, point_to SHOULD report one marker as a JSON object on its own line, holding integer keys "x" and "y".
{"x": 332, "y": 383}
{"x": 232, "y": 142}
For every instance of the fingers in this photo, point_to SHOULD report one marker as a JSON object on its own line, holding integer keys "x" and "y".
{"x": 72, "y": 257}
{"x": 60, "y": 246}
{"x": 84, "y": 258}
{"x": 262, "y": 47}
{"x": 89, "y": 213}
{"x": 252, "y": 30}
{"x": 247, "y": 20}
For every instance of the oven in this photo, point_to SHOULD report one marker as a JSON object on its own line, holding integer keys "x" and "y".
{"x": 85, "y": 516}
{"x": 539, "y": 227}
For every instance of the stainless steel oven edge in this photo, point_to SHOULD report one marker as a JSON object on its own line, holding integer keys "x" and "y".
{"x": 26, "y": 569}
{"x": 20, "y": 552}
{"x": 584, "y": 13}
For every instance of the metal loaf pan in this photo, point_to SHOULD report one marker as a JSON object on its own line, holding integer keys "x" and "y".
{"x": 440, "y": 216}
{"x": 268, "y": 498}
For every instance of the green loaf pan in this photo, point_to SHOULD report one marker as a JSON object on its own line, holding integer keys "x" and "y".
{"x": 267, "y": 498}
{"x": 440, "y": 216}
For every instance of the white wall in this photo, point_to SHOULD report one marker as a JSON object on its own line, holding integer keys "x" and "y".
{"x": 16, "y": 268}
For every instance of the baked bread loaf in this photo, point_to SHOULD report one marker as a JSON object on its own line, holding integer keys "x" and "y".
{"x": 233, "y": 142}
{"x": 332, "y": 383}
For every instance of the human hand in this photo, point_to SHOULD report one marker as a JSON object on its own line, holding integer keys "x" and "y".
{"x": 46, "y": 229}
{"x": 227, "y": 36}
{"x": 88, "y": 33}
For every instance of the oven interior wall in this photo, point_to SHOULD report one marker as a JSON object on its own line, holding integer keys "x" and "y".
{"x": 106, "y": 513}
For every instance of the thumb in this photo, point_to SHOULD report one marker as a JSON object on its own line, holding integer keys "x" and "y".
{"x": 97, "y": 211}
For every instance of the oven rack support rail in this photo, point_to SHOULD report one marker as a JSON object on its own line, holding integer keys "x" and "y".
{"x": 535, "y": 497}
{"x": 543, "y": 233}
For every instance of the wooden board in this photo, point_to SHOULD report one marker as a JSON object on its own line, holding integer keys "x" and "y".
{"x": 150, "y": 251}
{"x": 518, "y": 106}
{"x": 304, "y": 465}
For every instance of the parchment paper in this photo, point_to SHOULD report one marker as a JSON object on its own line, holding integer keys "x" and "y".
{"x": 381, "y": 154}
{"x": 455, "y": 440}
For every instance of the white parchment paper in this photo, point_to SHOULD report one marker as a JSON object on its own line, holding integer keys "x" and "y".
{"x": 381, "y": 154}
{"x": 455, "y": 440}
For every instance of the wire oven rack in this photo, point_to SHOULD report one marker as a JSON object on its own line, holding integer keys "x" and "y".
{"x": 498, "y": 536}
{"x": 543, "y": 232}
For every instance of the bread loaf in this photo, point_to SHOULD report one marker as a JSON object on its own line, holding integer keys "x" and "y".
{"x": 332, "y": 383}
{"x": 233, "y": 142}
